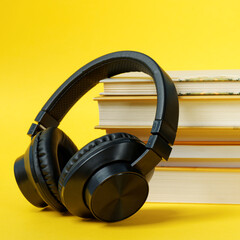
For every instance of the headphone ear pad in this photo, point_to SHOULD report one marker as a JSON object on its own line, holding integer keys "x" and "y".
{"x": 53, "y": 149}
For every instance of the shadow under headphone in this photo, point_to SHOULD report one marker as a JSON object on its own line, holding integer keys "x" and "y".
{"x": 107, "y": 178}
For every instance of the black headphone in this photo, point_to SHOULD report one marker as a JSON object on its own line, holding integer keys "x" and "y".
{"x": 108, "y": 177}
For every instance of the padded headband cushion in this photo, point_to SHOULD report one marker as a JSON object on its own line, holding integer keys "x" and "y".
{"x": 88, "y": 149}
{"x": 54, "y": 149}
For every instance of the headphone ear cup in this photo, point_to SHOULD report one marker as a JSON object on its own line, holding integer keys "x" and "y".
{"x": 51, "y": 151}
{"x": 87, "y": 150}
{"x": 113, "y": 148}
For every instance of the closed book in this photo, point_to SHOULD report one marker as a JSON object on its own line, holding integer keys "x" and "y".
{"x": 210, "y": 82}
{"x": 194, "y": 111}
{"x": 218, "y": 156}
{"x": 195, "y": 185}
{"x": 185, "y": 135}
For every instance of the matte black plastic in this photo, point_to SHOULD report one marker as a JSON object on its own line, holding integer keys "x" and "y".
{"x": 107, "y": 66}
{"x": 159, "y": 146}
{"x": 145, "y": 162}
{"x": 46, "y": 119}
{"x": 72, "y": 192}
{"x": 116, "y": 192}
{"x": 26, "y": 185}
{"x": 165, "y": 130}
{"x": 34, "y": 129}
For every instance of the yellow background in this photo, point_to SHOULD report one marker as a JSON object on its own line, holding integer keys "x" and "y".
{"x": 43, "y": 42}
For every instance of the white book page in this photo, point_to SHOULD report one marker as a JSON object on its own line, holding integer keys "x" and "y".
{"x": 231, "y": 74}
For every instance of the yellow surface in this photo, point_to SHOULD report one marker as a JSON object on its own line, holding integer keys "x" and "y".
{"x": 44, "y": 42}
{"x": 199, "y": 169}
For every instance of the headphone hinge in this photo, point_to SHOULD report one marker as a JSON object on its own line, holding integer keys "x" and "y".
{"x": 159, "y": 145}
{"x": 34, "y": 129}
{"x": 46, "y": 119}
{"x": 163, "y": 128}
{"x": 146, "y": 162}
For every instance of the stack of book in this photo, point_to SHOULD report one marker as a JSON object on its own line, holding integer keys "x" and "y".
{"x": 204, "y": 166}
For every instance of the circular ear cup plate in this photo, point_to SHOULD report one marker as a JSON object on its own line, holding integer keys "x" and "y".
{"x": 116, "y": 192}
{"x": 120, "y": 149}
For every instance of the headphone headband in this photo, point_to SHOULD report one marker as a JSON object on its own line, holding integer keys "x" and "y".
{"x": 166, "y": 120}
